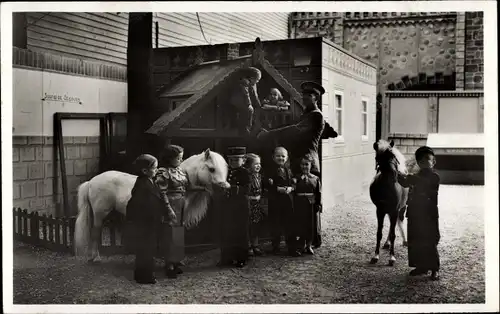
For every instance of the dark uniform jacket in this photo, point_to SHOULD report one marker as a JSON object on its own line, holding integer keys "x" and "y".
{"x": 146, "y": 204}
{"x": 423, "y": 196}
{"x": 307, "y": 202}
{"x": 306, "y": 135}
{"x": 235, "y": 209}
{"x": 423, "y": 219}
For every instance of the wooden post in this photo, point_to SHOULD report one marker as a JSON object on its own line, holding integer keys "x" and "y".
{"x": 139, "y": 81}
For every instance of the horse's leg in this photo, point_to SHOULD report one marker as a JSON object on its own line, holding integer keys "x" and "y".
{"x": 380, "y": 226}
{"x": 387, "y": 244}
{"x": 402, "y": 232}
{"x": 95, "y": 234}
{"x": 392, "y": 235}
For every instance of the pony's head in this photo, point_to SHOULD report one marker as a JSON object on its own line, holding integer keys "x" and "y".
{"x": 389, "y": 159}
{"x": 207, "y": 169}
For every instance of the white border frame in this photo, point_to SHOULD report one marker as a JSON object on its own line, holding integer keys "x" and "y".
{"x": 491, "y": 204}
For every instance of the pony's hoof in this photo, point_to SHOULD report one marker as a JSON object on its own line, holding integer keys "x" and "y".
{"x": 386, "y": 246}
{"x": 391, "y": 262}
{"x": 405, "y": 243}
{"x": 96, "y": 260}
{"x": 374, "y": 260}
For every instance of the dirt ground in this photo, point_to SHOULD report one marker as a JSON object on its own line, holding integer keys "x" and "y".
{"x": 338, "y": 273}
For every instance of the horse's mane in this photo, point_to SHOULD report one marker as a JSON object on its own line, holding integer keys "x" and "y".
{"x": 384, "y": 145}
{"x": 197, "y": 201}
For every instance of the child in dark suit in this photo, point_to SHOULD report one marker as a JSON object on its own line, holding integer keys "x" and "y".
{"x": 145, "y": 211}
{"x": 235, "y": 212}
{"x": 280, "y": 206}
{"x": 422, "y": 214}
{"x": 307, "y": 202}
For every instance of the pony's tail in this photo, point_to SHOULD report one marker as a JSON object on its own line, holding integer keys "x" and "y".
{"x": 83, "y": 221}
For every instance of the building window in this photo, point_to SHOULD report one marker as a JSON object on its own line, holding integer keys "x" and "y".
{"x": 339, "y": 116}
{"x": 364, "y": 119}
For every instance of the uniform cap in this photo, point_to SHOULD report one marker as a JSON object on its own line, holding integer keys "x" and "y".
{"x": 236, "y": 151}
{"x": 312, "y": 87}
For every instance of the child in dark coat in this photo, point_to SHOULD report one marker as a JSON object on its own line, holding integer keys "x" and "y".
{"x": 235, "y": 212}
{"x": 423, "y": 216}
{"x": 307, "y": 202}
{"x": 280, "y": 203}
{"x": 146, "y": 210}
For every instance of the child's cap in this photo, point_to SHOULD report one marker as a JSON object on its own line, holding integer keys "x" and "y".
{"x": 422, "y": 151}
{"x": 236, "y": 151}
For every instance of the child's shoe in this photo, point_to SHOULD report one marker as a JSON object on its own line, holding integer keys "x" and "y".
{"x": 308, "y": 250}
{"x": 418, "y": 272}
{"x": 171, "y": 273}
{"x": 435, "y": 275}
{"x": 240, "y": 264}
{"x": 251, "y": 252}
{"x": 257, "y": 251}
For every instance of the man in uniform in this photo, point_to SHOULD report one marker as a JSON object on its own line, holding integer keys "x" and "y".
{"x": 306, "y": 135}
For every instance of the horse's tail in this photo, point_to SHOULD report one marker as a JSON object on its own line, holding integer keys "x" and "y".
{"x": 195, "y": 207}
{"x": 84, "y": 220}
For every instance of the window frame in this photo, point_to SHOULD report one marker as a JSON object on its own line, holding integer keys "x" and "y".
{"x": 365, "y": 137}
{"x": 340, "y": 138}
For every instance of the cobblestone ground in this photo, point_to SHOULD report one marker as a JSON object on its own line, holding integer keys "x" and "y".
{"x": 338, "y": 273}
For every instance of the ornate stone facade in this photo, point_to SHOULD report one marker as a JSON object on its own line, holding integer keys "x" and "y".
{"x": 405, "y": 45}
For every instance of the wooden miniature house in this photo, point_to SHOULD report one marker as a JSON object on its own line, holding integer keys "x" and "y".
{"x": 195, "y": 110}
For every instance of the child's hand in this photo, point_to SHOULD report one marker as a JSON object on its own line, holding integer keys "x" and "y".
{"x": 288, "y": 190}
{"x": 271, "y": 181}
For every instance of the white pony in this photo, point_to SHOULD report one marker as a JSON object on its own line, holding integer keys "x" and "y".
{"x": 112, "y": 190}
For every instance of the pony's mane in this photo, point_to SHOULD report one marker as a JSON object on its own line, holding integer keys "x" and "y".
{"x": 384, "y": 145}
{"x": 197, "y": 201}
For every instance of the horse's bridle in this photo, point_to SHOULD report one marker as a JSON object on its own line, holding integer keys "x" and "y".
{"x": 377, "y": 164}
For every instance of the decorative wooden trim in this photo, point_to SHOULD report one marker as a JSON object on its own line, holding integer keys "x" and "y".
{"x": 163, "y": 123}
{"x": 395, "y": 94}
{"x": 347, "y": 52}
{"x": 172, "y": 120}
{"x": 399, "y": 20}
{"x": 33, "y": 60}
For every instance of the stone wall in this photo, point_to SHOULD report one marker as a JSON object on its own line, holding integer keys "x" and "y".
{"x": 405, "y": 45}
{"x": 33, "y": 171}
{"x": 474, "y": 51}
{"x": 407, "y": 144}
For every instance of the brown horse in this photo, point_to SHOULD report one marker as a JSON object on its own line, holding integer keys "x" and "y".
{"x": 386, "y": 193}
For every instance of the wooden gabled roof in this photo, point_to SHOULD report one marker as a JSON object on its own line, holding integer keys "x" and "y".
{"x": 205, "y": 81}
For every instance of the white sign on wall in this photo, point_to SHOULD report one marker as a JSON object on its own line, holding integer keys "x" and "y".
{"x": 37, "y": 95}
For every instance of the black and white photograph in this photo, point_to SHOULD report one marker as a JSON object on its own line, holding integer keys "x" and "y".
{"x": 249, "y": 157}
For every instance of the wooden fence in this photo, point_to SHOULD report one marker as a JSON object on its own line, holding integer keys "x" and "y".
{"x": 57, "y": 234}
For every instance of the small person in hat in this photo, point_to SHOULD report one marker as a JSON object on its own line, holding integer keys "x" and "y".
{"x": 235, "y": 212}
{"x": 279, "y": 184}
{"x": 306, "y": 201}
{"x": 145, "y": 211}
{"x": 306, "y": 136}
{"x": 422, "y": 214}
{"x": 245, "y": 97}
